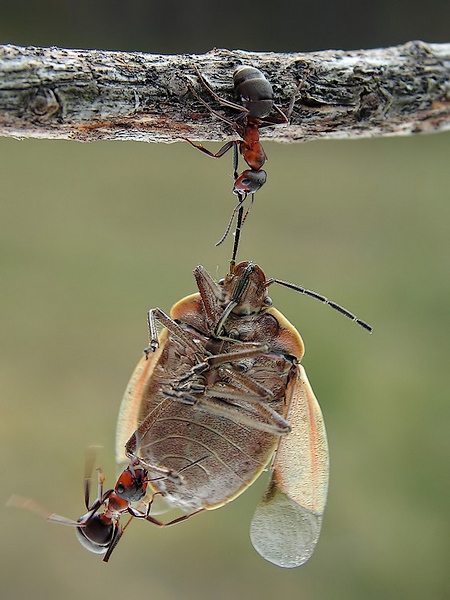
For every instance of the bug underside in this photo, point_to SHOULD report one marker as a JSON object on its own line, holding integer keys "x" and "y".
{"x": 217, "y": 457}
{"x": 222, "y": 392}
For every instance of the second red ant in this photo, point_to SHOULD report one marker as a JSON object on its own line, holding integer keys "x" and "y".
{"x": 99, "y": 529}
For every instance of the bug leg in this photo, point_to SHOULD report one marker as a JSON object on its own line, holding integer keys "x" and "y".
{"x": 247, "y": 383}
{"x": 211, "y": 295}
{"x": 157, "y": 315}
{"x": 245, "y": 351}
{"x": 218, "y": 402}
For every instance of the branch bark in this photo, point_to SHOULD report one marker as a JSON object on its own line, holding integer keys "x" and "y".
{"x": 96, "y": 95}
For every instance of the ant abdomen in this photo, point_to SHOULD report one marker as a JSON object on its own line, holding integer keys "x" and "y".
{"x": 253, "y": 91}
{"x": 97, "y": 535}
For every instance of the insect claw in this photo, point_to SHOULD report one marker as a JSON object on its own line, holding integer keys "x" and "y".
{"x": 151, "y": 348}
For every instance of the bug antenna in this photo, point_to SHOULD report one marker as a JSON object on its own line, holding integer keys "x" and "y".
{"x": 340, "y": 309}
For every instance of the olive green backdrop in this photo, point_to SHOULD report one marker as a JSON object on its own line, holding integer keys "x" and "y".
{"x": 93, "y": 235}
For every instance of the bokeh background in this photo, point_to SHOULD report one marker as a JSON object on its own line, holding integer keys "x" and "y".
{"x": 92, "y": 235}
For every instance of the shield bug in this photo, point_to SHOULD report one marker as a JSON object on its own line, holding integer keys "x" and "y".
{"x": 255, "y": 94}
{"x": 219, "y": 392}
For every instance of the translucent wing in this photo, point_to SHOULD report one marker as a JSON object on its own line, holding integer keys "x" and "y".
{"x": 127, "y": 421}
{"x": 287, "y": 521}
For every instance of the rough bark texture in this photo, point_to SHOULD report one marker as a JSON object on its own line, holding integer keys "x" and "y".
{"x": 92, "y": 95}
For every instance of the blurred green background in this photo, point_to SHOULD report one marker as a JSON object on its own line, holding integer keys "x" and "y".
{"x": 92, "y": 235}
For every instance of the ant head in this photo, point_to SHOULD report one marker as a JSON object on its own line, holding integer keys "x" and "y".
{"x": 132, "y": 484}
{"x": 97, "y": 535}
{"x": 249, "y": 182}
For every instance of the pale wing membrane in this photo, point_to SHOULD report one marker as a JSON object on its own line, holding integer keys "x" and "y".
{"x": 286, "y": 524}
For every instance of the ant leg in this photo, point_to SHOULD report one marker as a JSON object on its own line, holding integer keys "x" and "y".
{"x": 218, "y": 154}
{"x": 237, "y": 234}
{"x": 101, "y": 496}
{"x": 88, "y": 468}
{"x": 33, "y": 506}
{"x": 240, "y": 209}
{"x": 236, "y": 209}
{"x": 285, "y": 116}
{"x": 146, "y": 515}
{"x": 220, "y": 100}
{"x": 132, "y": 447}
{"x": 235, "y": 161}
{"x": 248, "y": 208}
{"x": 118, "y": 534}
{"x": 212, "y": 111}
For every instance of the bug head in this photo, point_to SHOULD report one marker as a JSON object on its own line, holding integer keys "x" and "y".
{"x": 245, "y": 290}
{"x": 249, "y": 182}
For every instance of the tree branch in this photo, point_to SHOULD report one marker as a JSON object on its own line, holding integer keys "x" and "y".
{"x": 93, "y": 95}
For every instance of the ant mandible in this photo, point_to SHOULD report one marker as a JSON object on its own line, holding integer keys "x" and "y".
{"x": 255, "y": 95}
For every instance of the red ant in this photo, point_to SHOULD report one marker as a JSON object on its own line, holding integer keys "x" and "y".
{"x": 99, "y": 531}
{"x": 255, "y": 95}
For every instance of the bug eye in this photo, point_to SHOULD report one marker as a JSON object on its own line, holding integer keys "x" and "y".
{"x": 268, "y": 301}
{"x": 120, "y": 488}
{"x": 234, "y": 334}
{"x": 221, "y": 281}
{"x": 241, "y": 367}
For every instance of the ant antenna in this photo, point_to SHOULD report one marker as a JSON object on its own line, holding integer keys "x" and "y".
{"x": 323, "y": 299}
{"x": 238, "y": 207}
